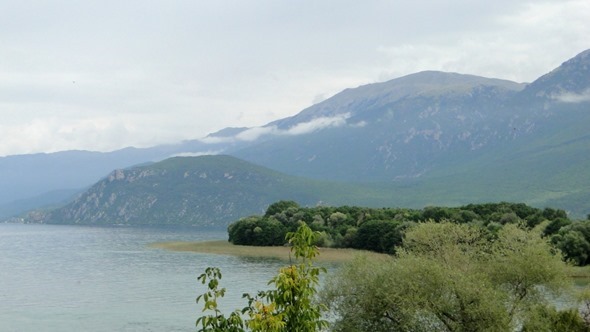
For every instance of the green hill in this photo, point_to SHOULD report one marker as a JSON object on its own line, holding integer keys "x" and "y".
{"x": 206, "y": 190}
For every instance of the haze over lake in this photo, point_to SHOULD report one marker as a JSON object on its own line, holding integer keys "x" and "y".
{"x": 71, "y": 278}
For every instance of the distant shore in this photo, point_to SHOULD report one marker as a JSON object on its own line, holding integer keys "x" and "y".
{"x": 223, "y": 247}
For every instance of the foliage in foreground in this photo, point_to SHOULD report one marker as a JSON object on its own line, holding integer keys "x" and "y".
{"x": 289, "y": 306}
{"x": 451, "y": 277}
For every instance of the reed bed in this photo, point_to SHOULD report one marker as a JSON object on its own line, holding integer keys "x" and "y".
{"x": 222, "y": 247}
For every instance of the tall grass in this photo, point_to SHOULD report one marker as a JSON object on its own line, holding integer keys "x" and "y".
{"x": 222, "y": 247}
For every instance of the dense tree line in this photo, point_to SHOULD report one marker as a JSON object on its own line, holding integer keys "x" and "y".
{"x": 383, "y": 229}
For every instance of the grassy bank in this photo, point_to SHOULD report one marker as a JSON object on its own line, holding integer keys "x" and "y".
{"x": 223, "y": 247}
{"x": 582, "y": 272}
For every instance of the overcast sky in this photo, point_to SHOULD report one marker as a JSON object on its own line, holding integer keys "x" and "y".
{"x": 102, "y": 75}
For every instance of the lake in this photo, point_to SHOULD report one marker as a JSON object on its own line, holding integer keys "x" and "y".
{"x": 79, "y": 278}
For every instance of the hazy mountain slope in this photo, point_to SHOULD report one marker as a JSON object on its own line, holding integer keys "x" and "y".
{"x": 377, "y": 97}
{"x": 467, "y": 138}
{"x": 428, "y": 122}
{"x": 31, "y": 175}
{"x": 426, "y": 138}
{"x": 207, "y": 190}
{"x": 52, "y": 199}
{"x": 397, "y": 129}
{"x": 34, "y": 177}
{"x": 563, "y": 83}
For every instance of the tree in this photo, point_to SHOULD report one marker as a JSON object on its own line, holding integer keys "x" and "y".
{"x": 378, "y": 235}
{"x": 521, "y": 263}
{"x": 336, "y": 219}
{"x": 551, "y": 214}
{"x": 447, "y": 277}
{"x": 257, "y": 231}
{"x": 279, "y": 207}
{"x": 573, "y": 240}
{"x": 240, "y": 232}
{"x": 216, "y": 321}
{"x": 555, "y": 225}
{"x": 574, "y": 245}
{"x": 289, "y": 306}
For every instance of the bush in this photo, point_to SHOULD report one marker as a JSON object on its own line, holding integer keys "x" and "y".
{"x": 548, "y": 319}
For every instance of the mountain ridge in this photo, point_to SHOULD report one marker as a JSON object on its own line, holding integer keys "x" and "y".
{"x": 204, "y": 191}
{"x": 427, "y": 127}
{"x": 409, "y": 86}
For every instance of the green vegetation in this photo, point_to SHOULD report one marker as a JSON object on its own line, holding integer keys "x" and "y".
{"x": 289, "y": 306}
{"x": 382, "y": 230}
{"x": 221, "y": 247}
{"x": 216, "y": 190}
{"x": 205, "y": 191}
{"x": 454, "y": 277}
{"x": 444, "y": 276}
{"x": 573, "y": 239}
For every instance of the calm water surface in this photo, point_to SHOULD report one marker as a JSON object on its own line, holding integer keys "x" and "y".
{"x": 74, "y": 278}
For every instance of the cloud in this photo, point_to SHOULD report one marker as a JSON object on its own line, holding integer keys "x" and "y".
{"x": 302, "y": 128}
{"x": 360, "y": 124}
{"x": 573, "y": 98}
{"x": 247, "y": 135}
{"x": 163, "y": 72}
{"x": 198, "y": 154}
{"x": 253, "y": 134}
{"x": 519, "y": 44}
{"x": 65, "y": 134}
{"x": 316, "y": 124}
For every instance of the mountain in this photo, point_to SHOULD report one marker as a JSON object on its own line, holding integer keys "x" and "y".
{"x": 392, "y": 130}
{"x": 206, "y": 190}
{"x": 49, "y": 200}
{"x": 565, "y": 83}
{"x": 453, "y": 137}
{"x": 366, "y": 102}
{"x": 426, "y": 138}
{"x": 181, "y": 190}
{"x": 37, "y": 180}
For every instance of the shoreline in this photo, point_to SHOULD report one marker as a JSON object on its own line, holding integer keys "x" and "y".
{"x": 327, "y": 255}
{"x": 223, "y": 247}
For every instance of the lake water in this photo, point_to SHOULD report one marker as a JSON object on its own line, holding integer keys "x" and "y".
{"x": 76, "y": 278}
